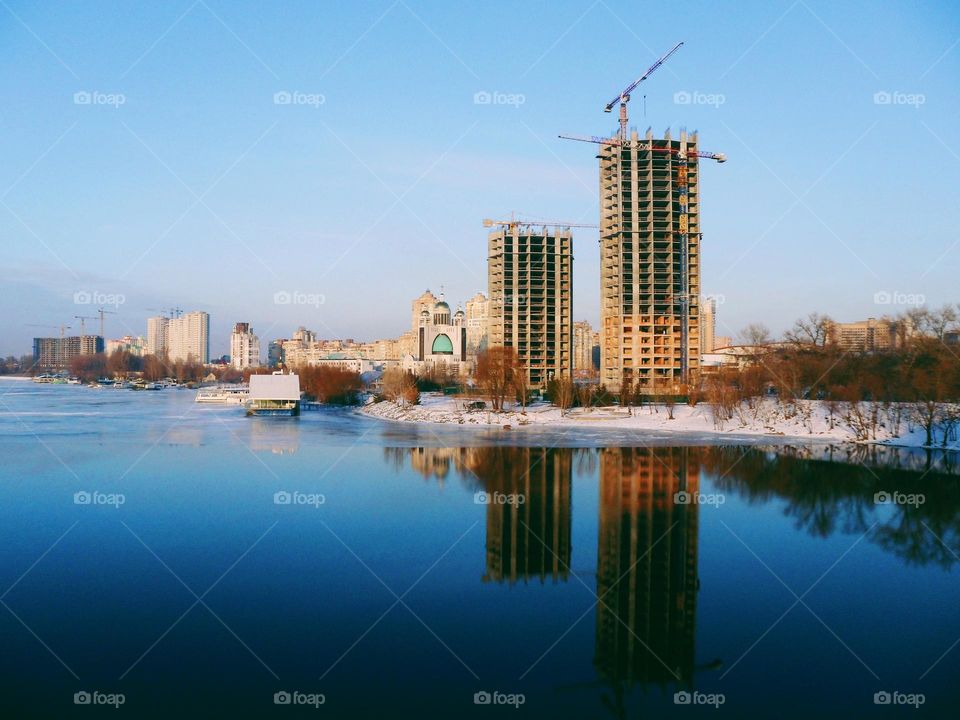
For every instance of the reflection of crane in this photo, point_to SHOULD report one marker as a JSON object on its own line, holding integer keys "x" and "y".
{"x": 624, "y": 97}
{"x": 102, "y": 313}
{"x": 719, "y": 157}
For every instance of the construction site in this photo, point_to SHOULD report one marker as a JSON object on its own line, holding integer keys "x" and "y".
{"x": 649, "y": 254}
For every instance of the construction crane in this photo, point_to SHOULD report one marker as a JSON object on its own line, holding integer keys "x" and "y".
{"x": 719, "y": 157}
{"x": 624, "y": 97}
{"x": 81, "y": 318}
{"x": 513, "y": 222}
{"x": 63, "y": 328}
{"x": 102, "y": 313}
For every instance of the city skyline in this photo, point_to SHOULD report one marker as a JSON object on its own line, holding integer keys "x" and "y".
{"x": 131, "y": 220}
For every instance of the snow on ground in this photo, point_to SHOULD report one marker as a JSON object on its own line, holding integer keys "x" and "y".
{"x": 809, "y": 420}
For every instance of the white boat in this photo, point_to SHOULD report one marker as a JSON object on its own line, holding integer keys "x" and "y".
{"x": 223, "y": 395}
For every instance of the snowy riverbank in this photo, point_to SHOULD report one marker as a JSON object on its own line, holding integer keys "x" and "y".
{"x": 808, "y": 420}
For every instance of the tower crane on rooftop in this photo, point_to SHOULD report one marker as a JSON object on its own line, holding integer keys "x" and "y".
{"x": 617, "y": 142}
{"x": 82, "y": 318}
{"x": 513, "y": 222}
{"x": 63, "y": 328}
{"x": 624, "y": 96}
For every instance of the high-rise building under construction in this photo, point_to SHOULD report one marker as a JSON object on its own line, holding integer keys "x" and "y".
{"x": 530, "y": 271}
{"x": 649, "y": 261}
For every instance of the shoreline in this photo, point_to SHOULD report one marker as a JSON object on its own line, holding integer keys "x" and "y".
{"x": 813, "y": 426}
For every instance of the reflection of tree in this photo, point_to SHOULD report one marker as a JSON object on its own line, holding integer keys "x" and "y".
{"x": 825, "y": 496}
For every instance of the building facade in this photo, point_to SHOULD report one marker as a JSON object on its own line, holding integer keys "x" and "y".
{"x": 708, "y": 324}
{"x": 530, "y": 284}
{"x": 649, "y": 262}
{"x": 244, "y": 347}
{"x": 188, "y": 337}
{"x": 55, "y": 354}
{"x": 157, "y": 335}
{"x": 478, "y": 323}
{"x": 583, "y": 338}
{"x": 870, "y": 335}
{"x": 441, "y": 338}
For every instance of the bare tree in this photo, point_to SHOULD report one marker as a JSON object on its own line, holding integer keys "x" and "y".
{"x": 400, "y": 386}
{"x": 755, "y": 334}
{"x": 563, "y": 393}
{"x": 496, "y": 372}
{"x": 814, "y": 330}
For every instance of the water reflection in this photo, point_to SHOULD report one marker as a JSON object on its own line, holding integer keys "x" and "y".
{"x": 646, "y": 565}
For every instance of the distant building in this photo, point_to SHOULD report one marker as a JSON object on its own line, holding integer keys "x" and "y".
{"x": 583, "y": 342}
{"x": 275, "y": 352}
{"x": 441, "y": 338}
{"x": 188, "y": 337}
{"x": 55, "y": 354}
{"x": 869, "y": 335}
{"x": 133, "y": 345}
{"x": 244, "y": 347}
{"x": 721, "y": 341}
{"x": 708, "y": 324}
{"x": 530, "y": 281}
{"x": 157, "y": 335}
{"x": 478, "y": 323}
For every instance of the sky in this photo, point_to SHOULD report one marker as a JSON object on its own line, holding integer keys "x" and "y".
{"x": 321, "y": 163}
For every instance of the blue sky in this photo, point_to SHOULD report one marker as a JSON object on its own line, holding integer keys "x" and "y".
{"x": 200, "y": 191}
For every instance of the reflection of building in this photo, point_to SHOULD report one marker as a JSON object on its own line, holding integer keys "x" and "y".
{"x": 56, "y": 353}
{"x": 530, "y": 278}
{"x": 646, "y": 565}
{"x": 528, "y": 539}
{"x": 649, "y": 261}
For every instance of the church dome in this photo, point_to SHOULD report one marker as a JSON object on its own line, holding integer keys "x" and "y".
{"x": 442, "y": 305}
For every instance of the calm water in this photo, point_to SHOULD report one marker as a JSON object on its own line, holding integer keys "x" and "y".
{"x": 387, "y": 587}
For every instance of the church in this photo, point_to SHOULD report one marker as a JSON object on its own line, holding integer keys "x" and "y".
{"x": 441, "y": 338}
